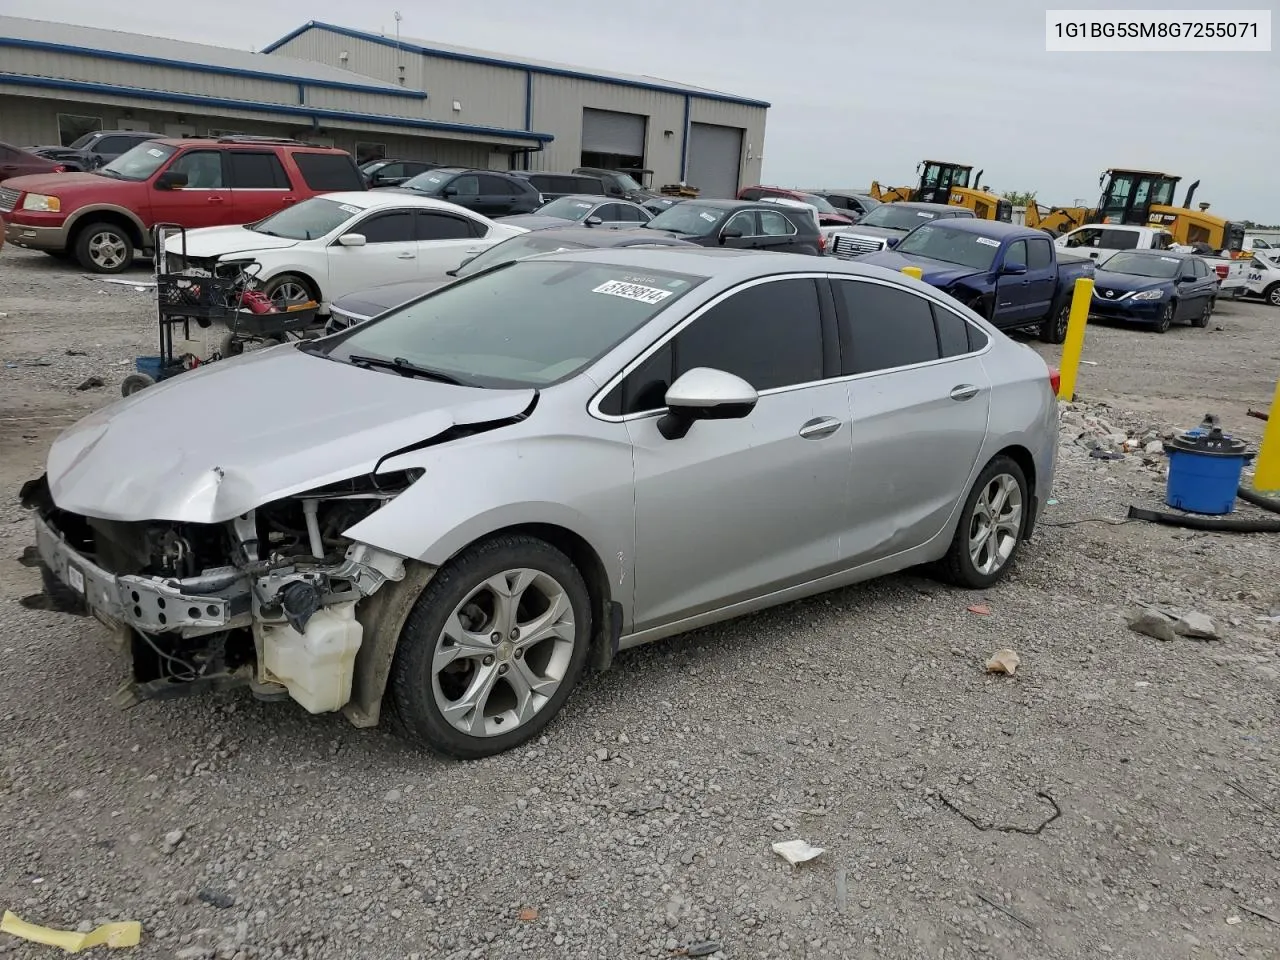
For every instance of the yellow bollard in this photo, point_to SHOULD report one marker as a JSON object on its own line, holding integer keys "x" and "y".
{"x": 1266, "y": 468}
{"x": 1074, "y": 344}
{"x": 914, "y": 272}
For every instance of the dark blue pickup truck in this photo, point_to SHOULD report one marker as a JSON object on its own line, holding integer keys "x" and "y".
{"x": 1012, "y": 275}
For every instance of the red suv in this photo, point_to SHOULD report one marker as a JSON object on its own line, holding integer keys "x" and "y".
{"x": 102, "y": 217}
{"x": 828, "y": 216}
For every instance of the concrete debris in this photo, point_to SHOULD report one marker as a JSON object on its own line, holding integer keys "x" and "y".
{"x": 797, "y": 851}
{"x": 1003, "y": 661}
{"x": 1196, "y": 625}
{"x": 1151, "y": 623}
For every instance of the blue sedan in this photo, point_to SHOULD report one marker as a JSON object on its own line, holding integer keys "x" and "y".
{"x": 1154, "y": 287}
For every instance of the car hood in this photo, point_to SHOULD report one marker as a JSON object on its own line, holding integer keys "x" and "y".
{"x": 936, "y": 273}
{"x": 533, "y": 221}
{"x": 214, "y": 443}
{"x": 70, "y": 184}
{"x": 371, "y": 302}
{"x": 219, "y": 241}
{"x": 1127, "y": 282}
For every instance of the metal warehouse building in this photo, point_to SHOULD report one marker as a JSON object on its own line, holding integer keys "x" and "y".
{"x": 375, "y": 96}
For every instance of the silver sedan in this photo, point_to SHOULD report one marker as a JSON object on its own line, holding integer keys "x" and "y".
{"x": 453, "y": 509}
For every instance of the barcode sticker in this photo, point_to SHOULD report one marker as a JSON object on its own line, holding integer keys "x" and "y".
{"x": 988, "y": 242}
{"x": 76, "y": 579}
{"x": 632, "y": 291}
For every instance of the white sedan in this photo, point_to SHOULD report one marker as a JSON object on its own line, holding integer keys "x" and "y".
{"x": 328, "y": 246}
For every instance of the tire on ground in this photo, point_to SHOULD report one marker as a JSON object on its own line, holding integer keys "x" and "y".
{"x": 958, "y": 566}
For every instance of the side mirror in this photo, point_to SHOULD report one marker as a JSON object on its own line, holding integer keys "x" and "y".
{"x": 730, "y": 235}
{"x": 1013, "y": 269}
{"x": 892, "y": 242}
{"x": 449, "y": 192}
{"x": 352, "y": 240}
{"x": 454, "y": 271}
{"x": 171, "y": 180}
{"x": 592, "y": 222}
{"x": 705, "y": 394}
{"x": 1186, "y": 278}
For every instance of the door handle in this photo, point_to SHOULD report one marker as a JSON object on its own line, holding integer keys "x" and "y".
{"x": 290, "y": 199}
{"x": 405, "y": 256}
{"x": 820, "y": 427}
{"x": 215, "y": 199}
{"x": 966, "y": 391}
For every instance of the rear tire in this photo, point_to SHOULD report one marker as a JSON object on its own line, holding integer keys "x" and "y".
{"x": 1272, "y": 294}
{"x": 1203, "y": 319}
{"x": 104, "y": 248}
{"x": 459, "y": 691}
{"x": 1053, "y": 328}
{"x": 992, "y": 521}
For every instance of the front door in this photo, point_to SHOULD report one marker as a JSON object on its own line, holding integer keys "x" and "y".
{"x": 389, "y": 254}
{"x": 206, "y": 200}
{"x": 744, "y": 226}
{"x": 919, "y": 400}
{"x": 740, "y": 508}
{"x": 1013, "y": 293}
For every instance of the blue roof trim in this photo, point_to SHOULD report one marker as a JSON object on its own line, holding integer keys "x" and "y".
{"x": 257, "y": 106}
{"x": 510, "y": 64}
{"x": 48, "y": 47}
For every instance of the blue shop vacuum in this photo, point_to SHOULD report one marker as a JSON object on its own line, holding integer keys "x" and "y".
{"x": 1205, "y": 466}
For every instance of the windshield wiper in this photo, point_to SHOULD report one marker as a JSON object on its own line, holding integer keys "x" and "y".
{"x": 403, "y": 367}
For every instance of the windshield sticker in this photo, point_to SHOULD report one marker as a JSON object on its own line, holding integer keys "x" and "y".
{"x": 1169, "y": 259}
{"x": 348, "y": 208}
{"x": 640, "y": 278}
{"x": 155, "y": 153}
{"x": 709, "y": 217}
{"x": 581, "y": 205}
{"x": 632, "y": 291}
{"x": 925, "y": 214}
{"x": 989, "y": 243}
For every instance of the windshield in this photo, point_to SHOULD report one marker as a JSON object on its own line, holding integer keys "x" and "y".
{"x": 1140, "y": 265}
{"x": 822, "y": 203}
{"x": 306, "y": 220}
{"x": 433, "y": 181}
{"x": 896, "y": 217}
{"x": 372, "y": 166}
{"x": 80, "y": 142}
{"x": 139, "y": 163}
{"x": 525, "y": 245}
{"x": 528, "y": 324}
{"x": 937, "y": 241}
{"x": 567, "y": 208}
{"x": 688, "y": 218}
{"x": 628, "y": 182}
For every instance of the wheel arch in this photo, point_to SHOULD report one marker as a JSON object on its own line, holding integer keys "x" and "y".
{"x": 384, "y": 614}
{"x": 116, "y": 216}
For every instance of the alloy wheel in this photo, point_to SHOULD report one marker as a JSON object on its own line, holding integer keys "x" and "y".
{"x": 291, "y": 291}
{"x": 503, "y": 653}
{"x": 107, "y": 250}
{"x": 995, "y": 524}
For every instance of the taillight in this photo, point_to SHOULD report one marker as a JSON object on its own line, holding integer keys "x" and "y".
{"x": 1055, "y": 379}
{"x": 1222, "y": 270}
{"x": 59, "y": 168}
{"x": 822, "y": 242}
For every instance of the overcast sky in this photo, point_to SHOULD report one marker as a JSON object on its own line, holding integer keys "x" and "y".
{"x": 860, "y": 90}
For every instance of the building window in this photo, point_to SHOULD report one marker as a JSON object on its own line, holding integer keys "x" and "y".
{"x": 71, "y": 127}
{"x": 366, "y": 151}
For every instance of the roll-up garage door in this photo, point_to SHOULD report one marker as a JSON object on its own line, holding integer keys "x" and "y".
{"x": 715, "y": 156}
{"x": 605, "y": 131}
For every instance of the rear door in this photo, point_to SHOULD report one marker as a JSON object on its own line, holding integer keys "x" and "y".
{"x": 389, "y": 255}
{"x": 206, "y": 200}
{"x": 1041, "y": 278}
{"x": 497, "y": 196}
{"x": 445, "y": 240}
{"x": 776, "y": 232}
{"x": 259, "y": 184}
{"x": 919, "y": 398}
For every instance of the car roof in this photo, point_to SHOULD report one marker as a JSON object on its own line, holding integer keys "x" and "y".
{"x": 597, "y": 238}
{"x": 723, "y": 263}
{"x": 1169, "y": 254}
{"x": 590, "y": 198}
{"x": 730, "y": 204}
{"x": 994, "y": 229}
{"x": 373, "y": 199}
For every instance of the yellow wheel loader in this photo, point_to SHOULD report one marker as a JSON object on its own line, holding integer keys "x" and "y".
{"x": 943, "y": 182}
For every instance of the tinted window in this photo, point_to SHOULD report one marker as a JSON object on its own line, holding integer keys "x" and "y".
{"x": 884, "y": 327}
{"x": 497, "y": 185}
{"x": 1119, "y": 239}
{"x": 770, "y": 335}
{"x": 1200, "y": 267}
{"x": 644, "y": 388}
{"x": 752, "y": 194}
{"x": 1039, "y": 254}
{"x": 977, "y": 338}
{"x": 203, "y": 169}
{"x": 634, "y": 215}
{"x": 412, "y": 168}
{"x": 387, "y": 228}
{"x": 1016, "y": 254}
{"x": 744, "y": 223}
{"x": 466, "y": 186}
{"x": 610, "y": 212}
{"x": 589, "y": 185}
{"x": 775, "y": 225}
{"x": 953, "y": 332}
{"x": 440, "y": 226}
{"x": 116, "y": 144}
{"x": 257, "y": 171}
{"x": 329, "y": 171}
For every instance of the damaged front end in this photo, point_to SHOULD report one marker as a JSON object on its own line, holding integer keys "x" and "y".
{"x": 266, "y": 600}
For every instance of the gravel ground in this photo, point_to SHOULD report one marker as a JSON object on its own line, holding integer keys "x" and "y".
{"x": 640, "y": 826}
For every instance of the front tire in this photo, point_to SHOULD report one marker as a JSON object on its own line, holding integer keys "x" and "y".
{"x": 492, "y": 649}
{"x": 135, "y": 382}
{"x": 104, "y": 248}
{"x": 1272, "y": 294}
{"x": 289, "y": 288}
{"x": 989, "y": 535}
{"x": 1166, "y": 318}
{"x": 1053, "y": 328}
